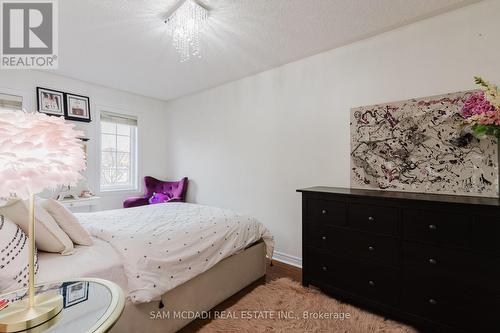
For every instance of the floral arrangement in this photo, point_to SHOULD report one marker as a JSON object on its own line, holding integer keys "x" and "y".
{"x": 482, "y": 110}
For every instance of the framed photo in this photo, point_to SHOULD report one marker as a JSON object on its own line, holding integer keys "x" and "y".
{"x": 50, "y": 101}
{"x": 74, "y": 293}
{"x": 77, "y": 108}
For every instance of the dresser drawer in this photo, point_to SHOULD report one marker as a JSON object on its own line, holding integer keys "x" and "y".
{"x": 485, "y": 235}
{"x": 369, "y": 280}
{"x": 378, "y": 283}
{"x": 327, "y": 212}
{"x": 461, "y": 309}
{"x": 330, "y": 270}
{"x": 377, "y": 219}
{"x": 446, "y": 286}
{"x": 438, "y": 227}
{"x": 458, "y": 265}
{"x": 355, "y": 244}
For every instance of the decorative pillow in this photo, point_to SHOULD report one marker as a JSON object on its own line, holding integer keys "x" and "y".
{"x": 68, "y": 222}
{"x": 49, "y": 236}
{"x": 14, "y": 251}
{"x": 157, "y": 198}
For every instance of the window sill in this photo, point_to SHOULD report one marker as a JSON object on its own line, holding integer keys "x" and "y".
{"x": 112, "y": 191}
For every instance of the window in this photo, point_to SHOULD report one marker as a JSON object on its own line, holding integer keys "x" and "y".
{"x": 118, "y": 152}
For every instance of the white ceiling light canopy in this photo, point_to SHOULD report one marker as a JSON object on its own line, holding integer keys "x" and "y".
{"x": 184, "y": 23}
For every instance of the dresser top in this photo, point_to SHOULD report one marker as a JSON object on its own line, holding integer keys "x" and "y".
{"x": 458, "y": 199}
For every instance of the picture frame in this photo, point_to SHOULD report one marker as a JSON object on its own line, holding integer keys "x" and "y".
{"x": 77, "y": 108}
{"x": 74, "y": 293}
{"x": 50, "y": 101}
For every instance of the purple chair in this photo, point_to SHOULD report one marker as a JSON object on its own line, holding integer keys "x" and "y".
{"x": 175, "y": 191}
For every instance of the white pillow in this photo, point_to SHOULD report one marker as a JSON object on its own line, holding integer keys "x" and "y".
{"x": 68, "y": 222}
{"x": 14, "y": 250}
{"x": 49, "y": 236}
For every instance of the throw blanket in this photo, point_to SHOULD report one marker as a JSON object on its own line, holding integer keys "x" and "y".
{"x": 165, "y": 245}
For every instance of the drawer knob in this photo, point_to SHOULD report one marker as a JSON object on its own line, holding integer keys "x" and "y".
{"x": 371, "y": 248}
{"x": 371, "y": 219}
{"x": 432, "y": 301}
{"x": 432, "y": 261}
{"x": 323, "y": 237}
{"x": 432, "y": 227}
{"x": 324, "y": 212}
{"x": 371, "y": 283}
{"x": 324, "y": 268}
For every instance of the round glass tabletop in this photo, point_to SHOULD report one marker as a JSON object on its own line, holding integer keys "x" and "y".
{"x": 89, "y": 305}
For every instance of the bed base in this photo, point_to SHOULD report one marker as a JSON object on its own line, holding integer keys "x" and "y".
{"x": 197, "y": 295}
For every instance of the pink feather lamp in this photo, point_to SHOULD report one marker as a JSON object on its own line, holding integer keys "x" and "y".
{"x": 37, "y": 152}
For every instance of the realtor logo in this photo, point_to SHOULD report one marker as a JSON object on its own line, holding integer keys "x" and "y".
{"x": 29, "y": 34}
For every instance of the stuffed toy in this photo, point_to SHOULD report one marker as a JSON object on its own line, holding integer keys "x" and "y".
{"x": 157, "y": 198}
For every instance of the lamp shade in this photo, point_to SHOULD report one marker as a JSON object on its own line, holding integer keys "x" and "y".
{"x": 37, "y": 152}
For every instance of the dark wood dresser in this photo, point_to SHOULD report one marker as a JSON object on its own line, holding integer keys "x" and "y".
{"x": 430, "y": 260}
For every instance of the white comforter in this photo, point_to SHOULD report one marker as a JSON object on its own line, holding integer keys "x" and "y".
{"x": 165, "y": 245}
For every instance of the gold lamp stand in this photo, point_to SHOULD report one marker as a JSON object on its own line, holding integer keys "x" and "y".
{"x": 36, "y": 310}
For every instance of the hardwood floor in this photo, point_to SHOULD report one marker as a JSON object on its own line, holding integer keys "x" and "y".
{"x": 276, "y": 271}
{"x": 279, "y": 270}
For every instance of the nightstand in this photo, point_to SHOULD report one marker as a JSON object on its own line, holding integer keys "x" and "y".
{"x": 90, "y": 306}
{"x": 82, "y": 204}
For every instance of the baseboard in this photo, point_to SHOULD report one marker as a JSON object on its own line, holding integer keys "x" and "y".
{"x": 287, "y": 259}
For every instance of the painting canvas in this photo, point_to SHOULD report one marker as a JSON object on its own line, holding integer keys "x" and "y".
{"x": 419, "y": 145}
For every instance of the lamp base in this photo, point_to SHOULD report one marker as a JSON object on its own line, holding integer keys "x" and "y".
{"x": 18, "y": 316}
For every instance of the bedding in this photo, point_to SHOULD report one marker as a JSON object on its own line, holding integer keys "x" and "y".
{"x": 165, "y": 245}
{"x": 99, "y": 260}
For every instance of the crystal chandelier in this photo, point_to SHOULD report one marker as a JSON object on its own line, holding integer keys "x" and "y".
{"x": 184, "y": 25}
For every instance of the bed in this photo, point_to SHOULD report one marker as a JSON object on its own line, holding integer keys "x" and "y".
{"x": 168, "y": 258}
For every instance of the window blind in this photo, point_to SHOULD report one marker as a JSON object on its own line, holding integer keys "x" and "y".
{"x": 11, "y": 102}
{"x": 118, "y": 119}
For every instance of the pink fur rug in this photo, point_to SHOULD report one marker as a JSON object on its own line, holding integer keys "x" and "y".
{"x": 282, "y": 306}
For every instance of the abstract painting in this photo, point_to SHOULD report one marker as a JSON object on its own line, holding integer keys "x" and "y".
{"x": 419, "y": 145}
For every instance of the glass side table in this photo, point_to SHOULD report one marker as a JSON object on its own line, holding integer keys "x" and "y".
{"x": 90, "y": 305}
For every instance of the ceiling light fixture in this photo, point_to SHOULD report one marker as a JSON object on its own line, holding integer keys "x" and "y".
{"x": 184, "y": 23}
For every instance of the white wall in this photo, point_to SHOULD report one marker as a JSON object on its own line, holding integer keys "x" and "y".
{"x": 150, "y": 113}
{"x": 248, "y": 145}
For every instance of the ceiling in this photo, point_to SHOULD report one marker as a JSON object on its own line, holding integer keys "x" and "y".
{"x": 123, "y": 44}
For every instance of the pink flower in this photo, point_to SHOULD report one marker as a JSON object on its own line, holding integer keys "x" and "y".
{"x": 490, "y": 118}
{"x": 476, "y": 104}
